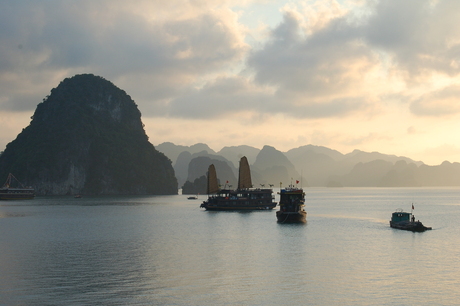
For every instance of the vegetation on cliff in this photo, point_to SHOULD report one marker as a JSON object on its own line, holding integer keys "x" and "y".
{"x": 87, "y": 137}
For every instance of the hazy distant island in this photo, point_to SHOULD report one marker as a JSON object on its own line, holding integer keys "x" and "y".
{"x": 87, "y": 137}
{"x": 315, "y": 166}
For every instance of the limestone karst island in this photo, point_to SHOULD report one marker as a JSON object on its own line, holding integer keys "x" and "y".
{"x": 87, "y": 137}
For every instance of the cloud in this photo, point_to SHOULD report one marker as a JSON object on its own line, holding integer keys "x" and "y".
{"x": 117, "y": 41}
{"x": 417, "y": 34}
{"x": 344, "y": 69}
{"x": 320, "y": 74}
{"x": 224, "y": 96}
{"x": 161, "y": 61}
{"x": 411, "y": 130}
{"x": 12, "y": 124}
{"x": 180, "y": 58}
{"x": 291, "y": 74}
{"x": 343, "y": 64}
{"x": 439, "y": 103}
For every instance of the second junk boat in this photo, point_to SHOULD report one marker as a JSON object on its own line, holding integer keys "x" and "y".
{"x": 292, "y": 201}
{"x": 243, "y": 198}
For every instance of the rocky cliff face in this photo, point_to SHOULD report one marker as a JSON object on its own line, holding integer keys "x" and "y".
{"x": 87, "y": 137}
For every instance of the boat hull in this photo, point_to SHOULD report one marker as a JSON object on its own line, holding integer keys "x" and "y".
{"x": 409, "y": 226}
{"x": 237, "y": 207}
{"x": 291, "y": 217}
{"x": 16, "y": 194}
{"x": 16, "y": 197}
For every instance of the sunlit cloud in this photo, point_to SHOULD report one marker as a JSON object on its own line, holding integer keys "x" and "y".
{"x": 411, "y": 130}
{"x": 444, "y": 102}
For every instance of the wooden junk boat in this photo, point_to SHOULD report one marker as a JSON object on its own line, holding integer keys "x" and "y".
{"x": 406, "y": 221}
{"x": 292, "y": 205}
{"x": 243, "y": 198}
{"x": 13, "y": 189}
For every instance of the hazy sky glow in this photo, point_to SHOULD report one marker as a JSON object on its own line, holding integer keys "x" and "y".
{"x": 353, "y": 74}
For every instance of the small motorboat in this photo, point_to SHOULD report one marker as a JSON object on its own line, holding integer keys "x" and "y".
{"x": 406, "y": 221}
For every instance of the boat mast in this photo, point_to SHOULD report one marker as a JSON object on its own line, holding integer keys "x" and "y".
{"x": 10, "y": 179}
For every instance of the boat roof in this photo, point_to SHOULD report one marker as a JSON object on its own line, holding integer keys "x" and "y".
{"x": 249, "y": 190}
{"x": 402, "y": 212}
{"x": 291, "y": 190}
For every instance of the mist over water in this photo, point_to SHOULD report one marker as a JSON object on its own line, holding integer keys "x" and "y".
{"x": 165, "y": 250}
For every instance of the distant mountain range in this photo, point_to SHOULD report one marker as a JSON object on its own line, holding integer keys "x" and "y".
{"x": 312, "y": 165}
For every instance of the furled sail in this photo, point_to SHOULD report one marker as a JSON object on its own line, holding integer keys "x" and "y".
{"x": 213, "y": 186}
{"x": 244, "y": 178}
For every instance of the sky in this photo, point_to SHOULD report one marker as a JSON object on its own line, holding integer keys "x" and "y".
{"x": 353, "y": 74}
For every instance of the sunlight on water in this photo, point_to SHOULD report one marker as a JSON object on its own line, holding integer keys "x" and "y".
{"x": 167, "y": 251}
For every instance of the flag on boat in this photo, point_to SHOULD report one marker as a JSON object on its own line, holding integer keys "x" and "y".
{"x": 412, "y": 206}
{"x": 297, "y": 182}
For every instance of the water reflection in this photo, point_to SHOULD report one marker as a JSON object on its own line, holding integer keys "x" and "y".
{"x": 167, "y": 251}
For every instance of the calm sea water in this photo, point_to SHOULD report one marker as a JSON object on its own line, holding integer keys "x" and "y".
{"x": 165, "y": 250}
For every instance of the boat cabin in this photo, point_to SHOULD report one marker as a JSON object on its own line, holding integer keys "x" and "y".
{"x": 400, "y": 216}
{"x": 291, "y": 199}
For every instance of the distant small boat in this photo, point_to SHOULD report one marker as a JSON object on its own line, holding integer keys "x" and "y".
{"x": 192, "y": 198}
{"x": 77, "y": 196}
{"x": 291, "y": 204}
{"x": 406, "y": 221}
{"x": 13, "y": 189}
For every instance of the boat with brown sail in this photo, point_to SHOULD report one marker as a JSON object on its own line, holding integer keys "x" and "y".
{"x": 245, "y": 197}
